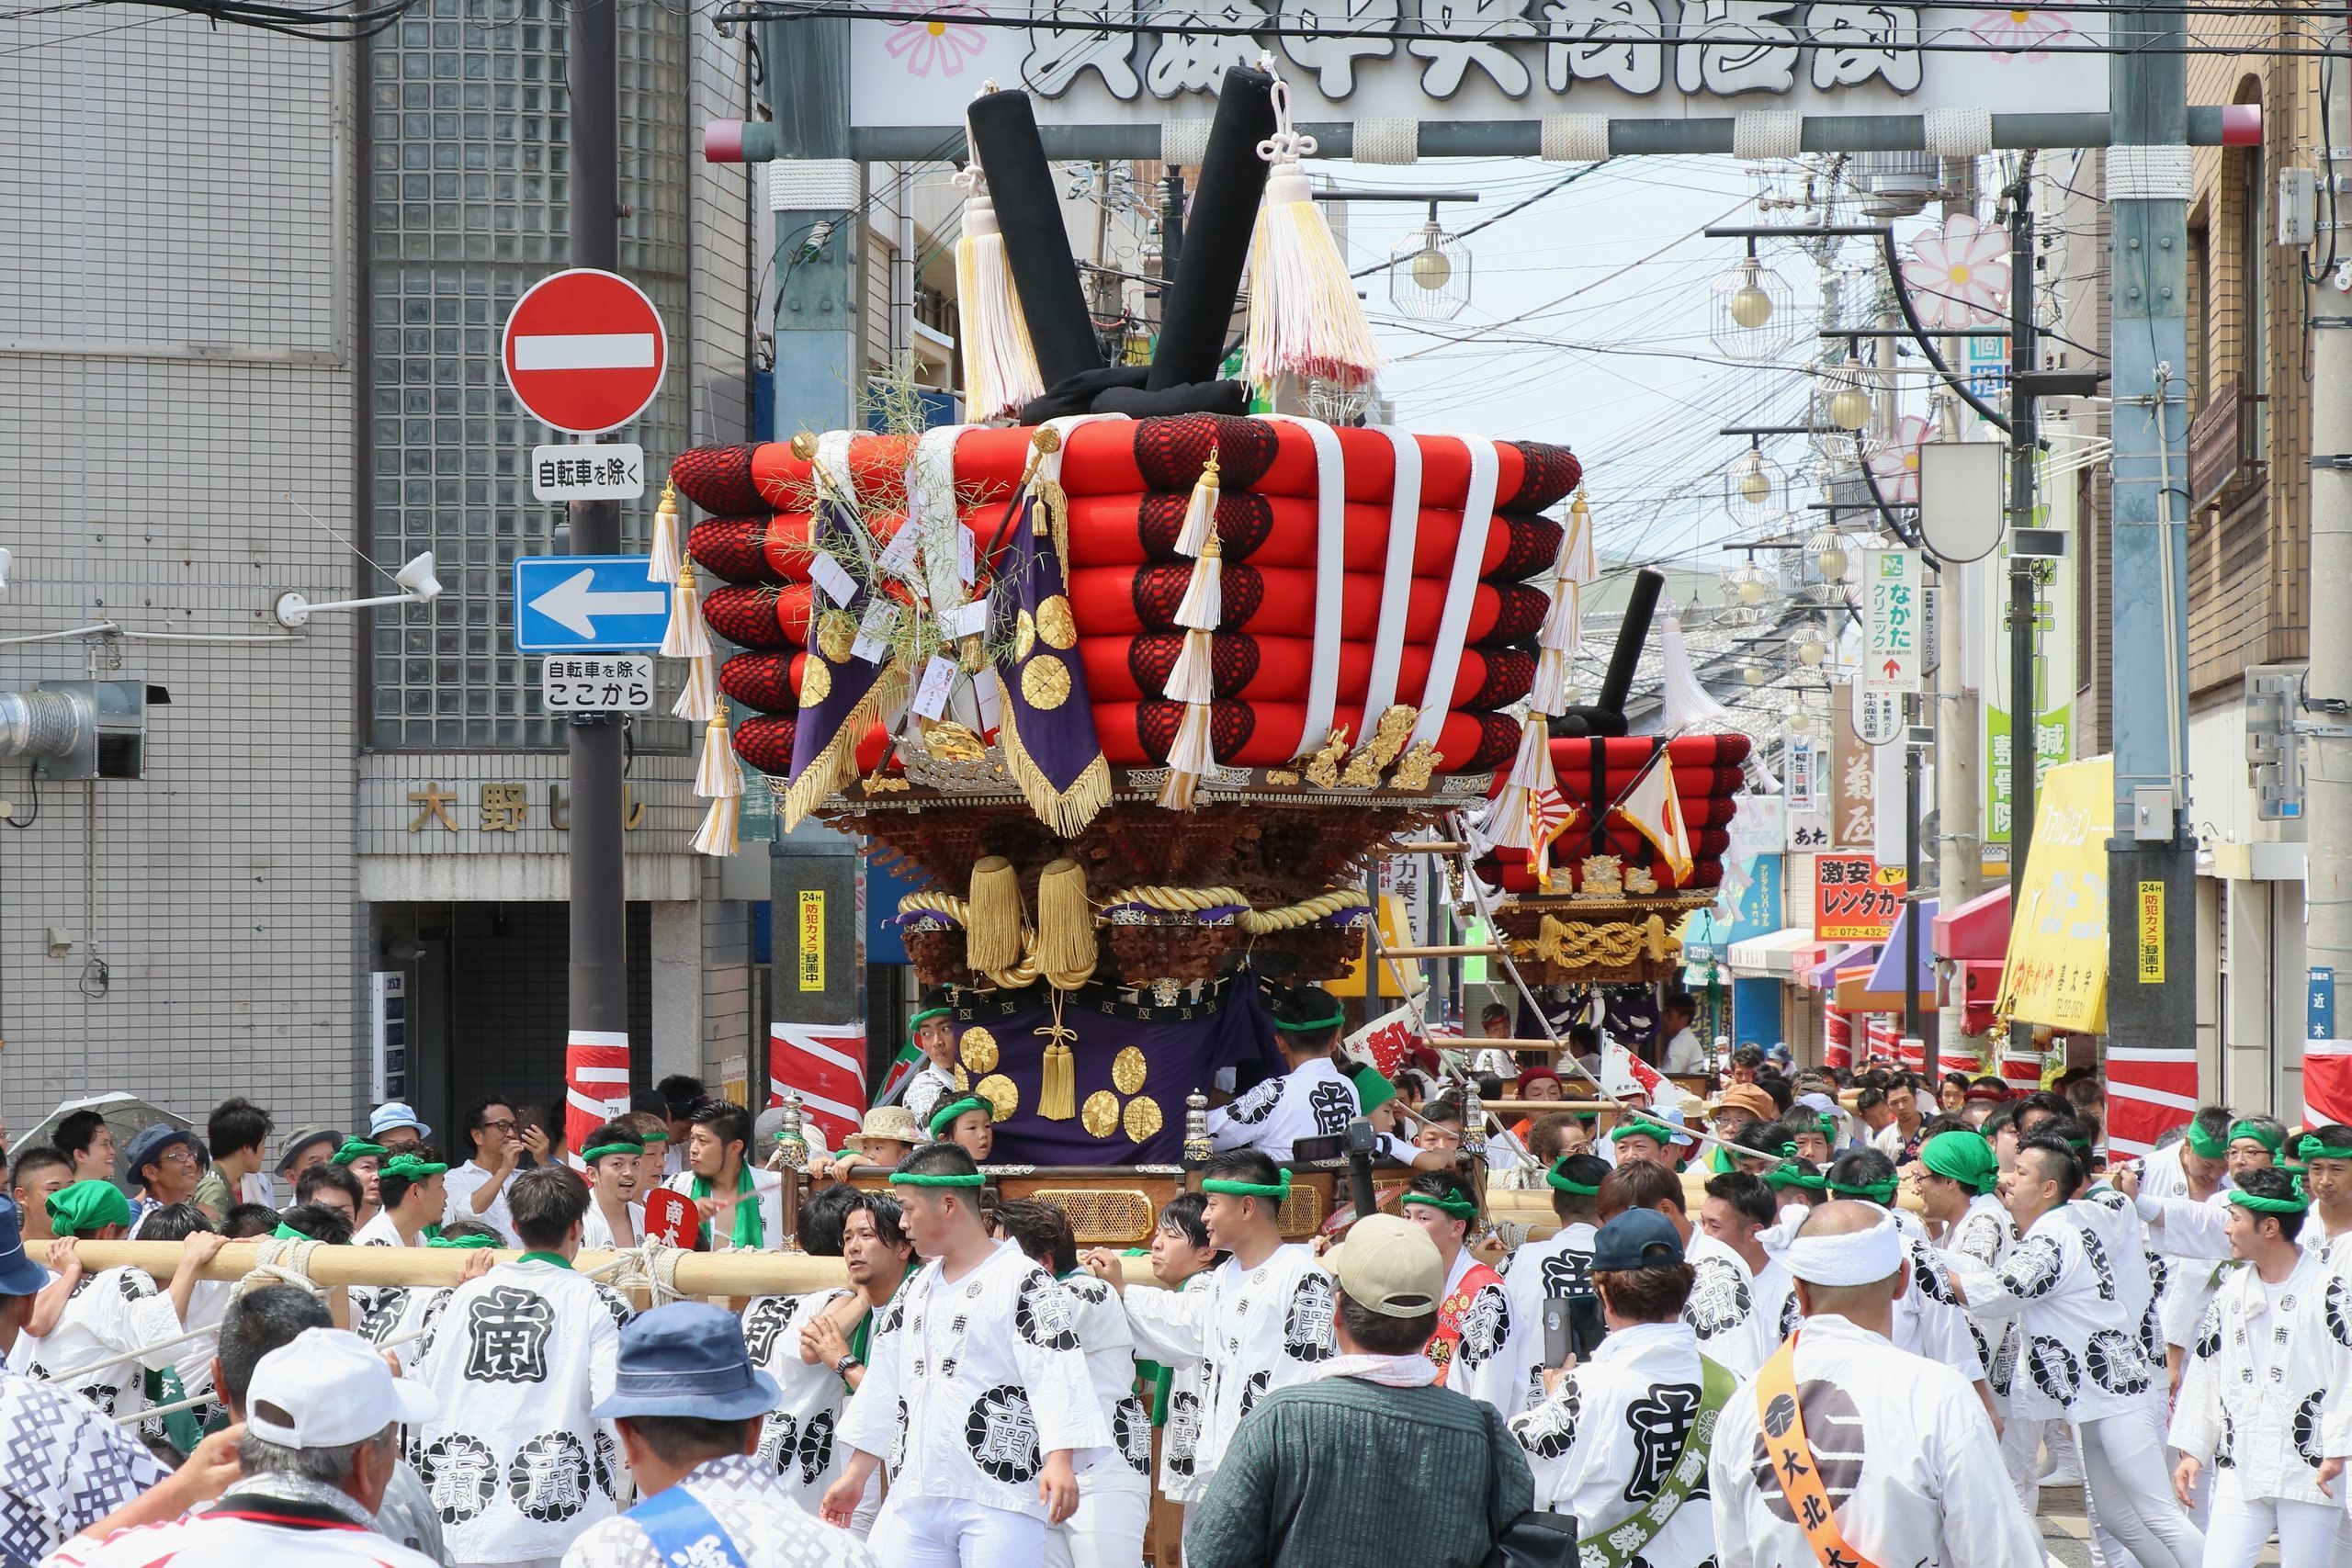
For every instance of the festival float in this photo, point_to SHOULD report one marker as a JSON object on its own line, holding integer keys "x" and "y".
{"x": 1140, "y": 683}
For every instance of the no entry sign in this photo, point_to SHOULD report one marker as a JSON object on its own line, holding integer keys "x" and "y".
{"x": 585, "y": 351}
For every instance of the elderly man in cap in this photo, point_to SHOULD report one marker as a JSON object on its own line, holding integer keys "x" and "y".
{"x": 1844, "y": 1448}
{"x": 1430, "y": 1477}
{"x": 1633, "y": 1424}
{"x": 310, "y": 1146}
{"x": 322, "y": 1440}
{"x": 687, "y": 1403}
{"x": 396, "y": 1125}
{"x": 165, "y": 1164}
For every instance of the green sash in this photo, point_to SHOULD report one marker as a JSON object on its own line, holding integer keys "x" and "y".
{"x": 1618, "y": 1545}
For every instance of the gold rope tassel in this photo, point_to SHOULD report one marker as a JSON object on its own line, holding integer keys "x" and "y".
{"x": 1057, "y": 1084}
{"x": 685, "y": 637}
{"x": 664, "y": 565}
{"x": 1066, "y": 947}
{"x": 1200, "y": 513}
{"x": 1192, "y": 681}
{"x": 992, "y": 918}
{"x": 718, "y": 776}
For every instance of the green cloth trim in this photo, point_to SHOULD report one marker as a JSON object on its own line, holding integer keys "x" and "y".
{"x": 410, "y": 1168}
{"x": 938, "y": 1179}
{"x": 80, "y": 1207}
{"x": 1460, "y": 1208}
{"x": 1312, "y": 1025}
{"x": 2207, "y": 1148}
{"x": 463, "y": 1243}
{"x": 749, "y": 1230}
{"x": 1620, "y": 1547}
{"x": 2299, "y": 1205}
{"x": 1559, "y": 1182}
{"x": 1658, "y": 1133}
{"x": 1372, "y": 1089}
{"x": 557, "y": 1258}
{"x": 288, "y": 1233}
{"x": 2259, "y": 1134}
{"x": 591, "y": 1156}
{"x": 1719, "y": 1160}
{"x": 945, "y": 1117}
{"x": 357, "y": 1149}
{"x": 2310, "y": 1148}
{"x": 1278, "y": 1191}
{"x": 1882, "y": 1192}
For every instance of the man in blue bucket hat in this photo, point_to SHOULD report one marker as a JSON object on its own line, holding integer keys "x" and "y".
{"x": 688, "y": 1403}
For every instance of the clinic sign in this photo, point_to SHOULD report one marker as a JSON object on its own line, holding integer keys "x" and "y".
{"x": 1137, "y": 63}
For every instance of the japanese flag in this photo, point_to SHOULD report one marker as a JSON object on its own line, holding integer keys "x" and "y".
{"x": 1656, "y": 811}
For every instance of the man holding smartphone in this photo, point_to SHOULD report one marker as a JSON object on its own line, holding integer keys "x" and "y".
{"x": 1550, "y": 1281}
{"x": 1629, "y": 1429}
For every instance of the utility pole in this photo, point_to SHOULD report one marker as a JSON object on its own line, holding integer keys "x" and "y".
{"x": 1959, "y": 717}
{"x": 2151, "y": 920}
{"x": 599, "y": 960}
{"x": 2024, "y": 443}
{"x": 2327, "y": 937}
{"x": 1912, "y": 913}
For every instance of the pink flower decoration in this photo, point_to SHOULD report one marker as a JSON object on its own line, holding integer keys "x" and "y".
{"x": 932, "y": 41}
{"x": 1959, "y": 280}
{"x": 1896, "y": 467}
{"x": 2017, "y": 30}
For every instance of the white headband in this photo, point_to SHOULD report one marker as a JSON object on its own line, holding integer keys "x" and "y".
{"x": 1857, "y": 1257}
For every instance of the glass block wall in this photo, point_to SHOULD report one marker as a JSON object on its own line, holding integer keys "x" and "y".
{"x": 467, "y": 206}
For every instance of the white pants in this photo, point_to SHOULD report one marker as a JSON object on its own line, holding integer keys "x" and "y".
{"x": 1105, "y": 1532}
{"x": 2243, "y": 1525}
{"x": 948, "y": 1532}
{"x": 2021, "y": 1457}
{"x": 2125, "y": 1481}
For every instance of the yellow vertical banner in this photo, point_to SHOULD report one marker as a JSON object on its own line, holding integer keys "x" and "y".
{"x": 812, "y": 940}
{"x": 2056, "y": 971}
{"x": 2151, "y": 933}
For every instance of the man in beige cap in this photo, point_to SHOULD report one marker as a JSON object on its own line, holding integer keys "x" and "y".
{"x": 1432, "y": 1477}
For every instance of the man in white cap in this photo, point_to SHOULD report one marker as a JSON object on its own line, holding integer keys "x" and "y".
{"x": 1842, "y": 1448}
{"x": 395, "y": 1126}
{"x": 688, "y": 1405}
{"x": 323, "y": 1420}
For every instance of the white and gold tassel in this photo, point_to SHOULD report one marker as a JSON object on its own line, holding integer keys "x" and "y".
{"x": 1189, "y": 758}
{"x": 1200, "y": 513}
{"x": 720, "y": 825}
{"x": 1192, "y": 680}
{"x": 685, "y": 637}
{"x": 1549, "y": 692}
{"x": 699, "y": 697}
{"x": 663, "y": 567}
{"x": 1203, "y": 602}
{"x": 1560, "y": 622}
{"x": 717, "y": 775}
{"x": 1001, "y": 371}
{"x": 1305, "y": 318}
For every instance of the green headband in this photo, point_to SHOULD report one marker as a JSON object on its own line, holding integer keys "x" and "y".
{"x": 2206, "y": 1145}
{"x": 945, "y": 1117}
{"x": 1964, "y": 1157}
{"x": 82, "y": 1207}
{"x": 2310, "y": 1148}
{"x": 939, "y": 1179}
{"x": 1556, "y": 1178}
{"x": 1311, "y": 1025}
{"x": 1782, "y": 1176}
{"x": 1277, "y": 1190}
{"x": 1881, "y": 1192}
{"x": 2255, "y": 1133}
{"x": 410, "y": 1168}
{"x": 463, "y": 1243}
{"x": 2296, "y": 1205}
{"x": 288, "y": 1233}
{"x": 1642, "y": 1126}
{"x": 629, "y": 1146}
{"x": 657, "y": 1137}
{"x": 357, "y": 1149}
{"x": 924, "y": 1017}
{"x": 1460, "y": 1208}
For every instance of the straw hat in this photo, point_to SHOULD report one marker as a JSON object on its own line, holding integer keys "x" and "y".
{"x": 892, "y": 1123}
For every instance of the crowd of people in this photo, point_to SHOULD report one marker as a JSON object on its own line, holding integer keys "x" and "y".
{"x": 1822, "y": 1318}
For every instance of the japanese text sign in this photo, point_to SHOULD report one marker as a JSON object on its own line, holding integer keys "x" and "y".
{"x": 1855, "y": 899}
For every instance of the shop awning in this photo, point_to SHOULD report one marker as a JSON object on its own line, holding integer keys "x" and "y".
{"x": 1822, "y": 977}
{"x": 1978, "y": 930}
{"x": 1886, "y": 974}
{"x": 1771, "y": 957}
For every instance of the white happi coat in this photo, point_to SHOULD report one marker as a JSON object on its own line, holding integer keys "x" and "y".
{"x": 373, "y": 1305}
{"x": 756, "y": 1514}
{"x": 2262, "y": 1425}
{"x": 1982, "y": 1237}
{"x": 1907, "y": 1455}
{"x": 1560, "y": 1265}
{"x": 512, "y": 1458}
{"x": 980, "y": 1378}
{"x": 767, "y": 1191}
{"x": 2186, "y": 1233}
{"x": 1480, "y": 1364}
{"x": 1314, "y": 1099}
{"x": 932, "y": 1087}
{"x": 798, "y": 1439}
{"x": 1737, "y": 1326}
{"x": 1180, "y": 1479}
{"x": 112, "y": 1310}
{"x": 2079, "y": 1356}
{"x": 1604, "y": 1442}
{"x": 1251, "y": 1331}
{"x": 1110, "y": 1345}
{"x": 2140, "y": 1273}
{"x": 1928, "y": 1320}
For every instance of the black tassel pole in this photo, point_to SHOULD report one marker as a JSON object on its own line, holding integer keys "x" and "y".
{"x": 1005, "y": 131}
{"x": 1607, "y": 716}
{"x": 1226, "y": 190}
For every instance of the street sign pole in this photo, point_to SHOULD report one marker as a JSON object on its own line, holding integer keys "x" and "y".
{"x": 599, "y": 958}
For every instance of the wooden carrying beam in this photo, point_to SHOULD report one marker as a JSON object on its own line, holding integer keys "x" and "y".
{"x": 699, "y": 1273}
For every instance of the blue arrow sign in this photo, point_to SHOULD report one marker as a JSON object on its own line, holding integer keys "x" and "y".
{"x": 588, "y": 603}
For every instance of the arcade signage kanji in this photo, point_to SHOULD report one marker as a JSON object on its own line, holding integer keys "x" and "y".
{"x": 1855, "y": 899}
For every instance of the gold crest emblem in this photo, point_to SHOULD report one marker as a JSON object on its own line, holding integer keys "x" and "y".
{"x": 1127, "y": 1069}
{"x": 1099, "y": 1115}
{"x": 977, "y": 1049}
{"x": 1143, "y": 1118}
{"x": 1002, "y": 1098}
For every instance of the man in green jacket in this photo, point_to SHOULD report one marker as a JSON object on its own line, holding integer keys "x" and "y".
{"x": 1293, "y": 1490}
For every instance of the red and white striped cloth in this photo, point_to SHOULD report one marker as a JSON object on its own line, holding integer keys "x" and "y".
{"x": 1837, "y": 1038}
{"x": 1961, "y": 1056}
{"x": 2327, "y": 1082}
{"x": 2149, "y": 1092}
{"x": 595, "y": 1082}
{"x": 2021, "y": 1067}
{"x": 825, "y": 1065}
